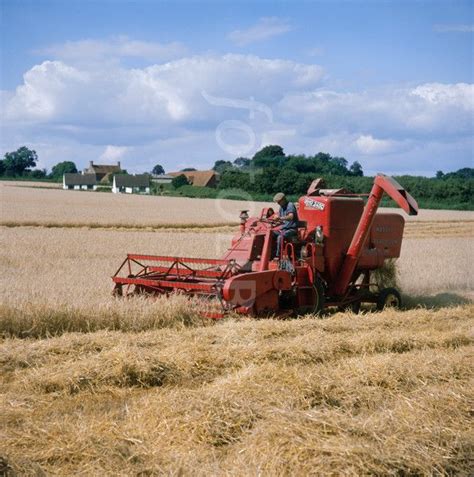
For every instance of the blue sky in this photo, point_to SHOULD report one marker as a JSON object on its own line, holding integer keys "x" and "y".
{"x": 186, "y": 83}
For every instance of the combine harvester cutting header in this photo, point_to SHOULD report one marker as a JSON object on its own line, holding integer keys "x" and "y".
{"x": 339, "y": 242}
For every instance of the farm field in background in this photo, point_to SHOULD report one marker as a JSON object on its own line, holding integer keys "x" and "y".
{"x": 31, "y": 184}
{"x": 29, "y": 205}
{"x": 94, "y": 385}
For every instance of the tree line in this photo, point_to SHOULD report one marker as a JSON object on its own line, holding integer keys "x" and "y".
{"x": 270, "y": 170}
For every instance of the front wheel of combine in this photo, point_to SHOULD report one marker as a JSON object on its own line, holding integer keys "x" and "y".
{"x": 389, "y": 298}
{"x": 353, "y": 307}
{"x": 318, "y": 301}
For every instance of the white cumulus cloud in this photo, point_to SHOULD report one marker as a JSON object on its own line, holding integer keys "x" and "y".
{"x": 367, "y": 144}
{"x": 112, "y": 154}
{"x": 45, "y": 91}
{"x": 425, "y": 110}
{"x": 158, "y": 94}
{"x": 170, "y": 113}
{"x": 458, "y": 95}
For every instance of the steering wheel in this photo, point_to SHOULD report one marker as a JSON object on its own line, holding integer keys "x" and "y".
{"x": 272, "y": 222}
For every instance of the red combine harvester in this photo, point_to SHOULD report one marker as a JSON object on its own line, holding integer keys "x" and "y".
{"x": 328, "y": 263}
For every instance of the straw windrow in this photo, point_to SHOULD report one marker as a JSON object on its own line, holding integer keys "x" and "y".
{"x": 387, "y": 394}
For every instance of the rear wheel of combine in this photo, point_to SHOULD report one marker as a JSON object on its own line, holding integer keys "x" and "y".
{"x": 389, "y": 298}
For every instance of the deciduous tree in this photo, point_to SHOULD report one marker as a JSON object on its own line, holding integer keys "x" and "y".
{"x": 61, "y": 168}
{"x": 220, "y": 166}
{"x": 19, "y": 162}
{"x": 179, "y": 181}
{"x": 158, "y": 170}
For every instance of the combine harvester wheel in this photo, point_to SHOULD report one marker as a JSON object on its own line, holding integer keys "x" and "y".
{"x": 389, "y": 298}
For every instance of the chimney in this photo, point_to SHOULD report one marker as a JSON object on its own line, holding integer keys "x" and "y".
{"x": 91, "y": 163}
{"x": 118, "y": 164}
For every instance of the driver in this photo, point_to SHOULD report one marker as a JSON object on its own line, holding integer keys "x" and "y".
{"x": 288, "y": 217}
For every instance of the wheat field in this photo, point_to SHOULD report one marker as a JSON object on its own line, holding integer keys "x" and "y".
{"x": 52, "y": 206}
{"x": 92, "y": 385}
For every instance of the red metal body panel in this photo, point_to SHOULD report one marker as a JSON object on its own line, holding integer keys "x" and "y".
{"x": 257, "y": 290}
{"x": 396, "y": 192}
{"x": 338, "y": 217}
{"x": 386, "y": 234}
{"x": 339, "y": 285}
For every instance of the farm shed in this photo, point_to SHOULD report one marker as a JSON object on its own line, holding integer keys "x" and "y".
{"x": 79, "y": 181}
{"x": 162, "y": 179}
{"x": 199, "y": 178}
{"x": 131, "y": 184}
